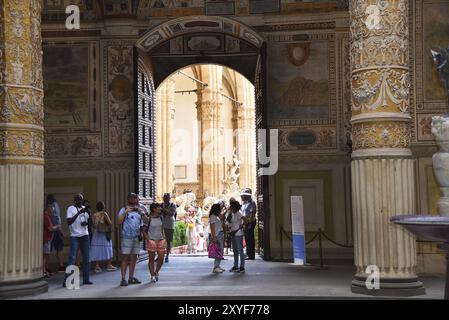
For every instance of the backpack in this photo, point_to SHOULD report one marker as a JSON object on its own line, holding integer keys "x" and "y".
{"x": 160, "y": 217}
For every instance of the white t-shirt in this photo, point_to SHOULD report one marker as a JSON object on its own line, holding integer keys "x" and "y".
{"x": 76, "y": 229}
{"x": 217, "y": 223}
{"x": 236, "y": 222}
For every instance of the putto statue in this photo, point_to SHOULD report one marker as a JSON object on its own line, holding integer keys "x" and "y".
{"x": 440, "y": 129}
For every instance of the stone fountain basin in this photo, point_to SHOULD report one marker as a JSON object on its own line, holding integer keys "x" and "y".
{"x": 434, "y": 228}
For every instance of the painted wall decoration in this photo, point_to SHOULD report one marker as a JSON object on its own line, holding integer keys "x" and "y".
{"x": 307, "y": 138}
{"x": 66, "y": 85}
{"x": 118, "y": 91}
{"x": 62, "y": 4}
{"x": 436, "y": 36}
{"x": 299, "y": 80}
{"x": 55, "y": 9}
{"x": 117, "y": 7}
{"x": 72, "y": 146}
{"x": 424, "y": 127}
{"x": 264, "y": 6}
{"x": 219, "y": 7}
{"x": 209, "y": 43}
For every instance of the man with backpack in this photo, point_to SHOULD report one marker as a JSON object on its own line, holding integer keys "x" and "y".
{"x": 131, "y": 219}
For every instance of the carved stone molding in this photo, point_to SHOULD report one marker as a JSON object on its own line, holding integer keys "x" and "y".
{"x": 371, "y": 135}
{"x": 88, "y": 165}
{"x": 299, "y": 158}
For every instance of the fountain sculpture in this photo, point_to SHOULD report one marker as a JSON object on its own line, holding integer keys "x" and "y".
{"x": 436, "y": 228}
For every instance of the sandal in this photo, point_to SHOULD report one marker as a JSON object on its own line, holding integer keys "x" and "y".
{"x": 111, "y": 268}
{"x": 134, "y": 281}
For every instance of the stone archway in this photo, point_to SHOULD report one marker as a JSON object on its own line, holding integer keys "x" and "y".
{"x": 181, "y": 42}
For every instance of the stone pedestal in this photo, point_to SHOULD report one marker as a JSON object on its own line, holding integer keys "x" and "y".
{"x": 383, "y": 182}
{"x": 21, "y": 149}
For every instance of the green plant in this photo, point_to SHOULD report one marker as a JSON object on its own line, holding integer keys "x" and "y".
{"x": 179, "y": 235}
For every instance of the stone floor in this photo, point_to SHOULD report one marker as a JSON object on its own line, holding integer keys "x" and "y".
{"x": 191, "y": 277}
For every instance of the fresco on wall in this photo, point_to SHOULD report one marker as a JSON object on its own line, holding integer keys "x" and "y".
{"x": 436, "y": 35}
{"x": 66, "y": 84}
{"x": 57, "y": 146}
{"x": 298, "y": 75}
{"x": 119, "y": 59}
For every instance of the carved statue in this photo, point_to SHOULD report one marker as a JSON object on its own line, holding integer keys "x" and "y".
{"x": 440, "y": 129}
{"x": 230, "y": 185}
{"x": 184, "y": 202}
{"x": 441, "y": 60}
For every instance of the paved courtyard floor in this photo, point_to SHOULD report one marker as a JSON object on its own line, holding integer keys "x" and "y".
{"x": 191, "y": 278}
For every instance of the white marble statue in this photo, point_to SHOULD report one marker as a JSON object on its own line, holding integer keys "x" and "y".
{"x": 440, "y": 129}
{"x": 184, "y": 202}
{"x": 231, "y": 187}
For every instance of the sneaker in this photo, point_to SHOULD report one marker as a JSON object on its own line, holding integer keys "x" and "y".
{"x": 123, "y": 283}
{"x": 134, "y": 280}
{"x": 87, "y": 282}
{"x": 166, "y": 259}
{"x": 217, "y": 270}
{"x": 242, "y": 270}
{"x": 234, "y": 269}
{"x": 221, "y": 268}
{"x": 157, "y": 276}
{"x": 98, "y": 270}
{"x": 61, "y": 269}
{"x": 111, "y": 268}
{"x": 153, "y": 279}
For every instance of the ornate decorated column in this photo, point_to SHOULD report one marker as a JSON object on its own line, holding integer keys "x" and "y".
{"x": 165, "y": 113}
{"x": 382, "y": 167}
{"x": 21, "y": 149}
{"x": 208, "y": 112}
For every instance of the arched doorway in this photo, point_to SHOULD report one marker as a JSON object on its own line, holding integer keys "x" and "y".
{"x": 192, "y": 40}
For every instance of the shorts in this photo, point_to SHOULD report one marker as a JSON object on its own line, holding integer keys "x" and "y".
{"x": 57, "y": 243}
{"x": 156, "y": 246}
{"x": 131, "y": 246}
{"x": 169, "y": 235}
{"x": 47, "y": 247}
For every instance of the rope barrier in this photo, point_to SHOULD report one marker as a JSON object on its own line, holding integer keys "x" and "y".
{"x": 320, "y": 234}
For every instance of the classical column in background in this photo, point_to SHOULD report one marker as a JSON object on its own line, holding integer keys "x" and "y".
{"x": 208, "y": 112}
{"x": 165, "y": 113}
{"x": 382, "y": 167}
{"x": 246, "y": 137}
{"x": 21, "y": 148}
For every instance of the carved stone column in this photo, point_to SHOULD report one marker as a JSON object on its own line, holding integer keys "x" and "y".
{"x": 246, "y": 142}
{"x": 382, "y": 166}
{"x": 165, "y": 125}
{"x": 208, "y": 107}
{"x": 21, "y": 149}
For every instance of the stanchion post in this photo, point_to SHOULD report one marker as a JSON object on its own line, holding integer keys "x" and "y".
{"x": 281, "y": 243}
{"x": 320, "y": 244}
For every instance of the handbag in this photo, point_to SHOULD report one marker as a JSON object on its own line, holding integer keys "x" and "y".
{"x": 214, "y": 252}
